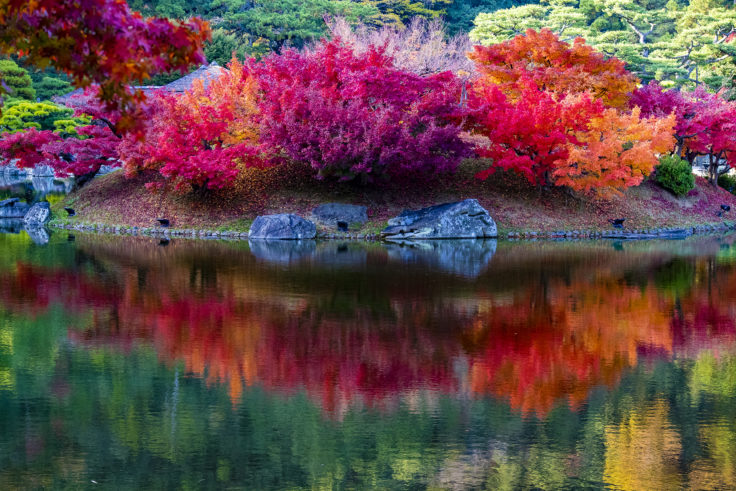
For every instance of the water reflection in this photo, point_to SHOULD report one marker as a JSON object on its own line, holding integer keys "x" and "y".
{"x": 463, "y": 257}
{"x": 346, "y": 365}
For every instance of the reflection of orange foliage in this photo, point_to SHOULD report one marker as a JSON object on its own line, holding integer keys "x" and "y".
{"x": 537, "y": 351}
{"x": 547, "y": 341}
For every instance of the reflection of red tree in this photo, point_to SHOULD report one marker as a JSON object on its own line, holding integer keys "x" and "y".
{"x": 245, "y": 341}
{"x": 544, "y": 343}
{"x": 32, "y": 289}
{"x": 559, "y": 343}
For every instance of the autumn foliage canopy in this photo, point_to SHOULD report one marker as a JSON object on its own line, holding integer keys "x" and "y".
{"x": 351, "y": 115}
{"x": 553, "y": 66}
{"x": 557, "y": 113}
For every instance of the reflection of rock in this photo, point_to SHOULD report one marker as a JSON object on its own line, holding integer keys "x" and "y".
{"x": 11, "y": 175}
{"x": 461, "y": 220}
{"x": 10, "y": 225}
{"x": 324, "y": 254}
{"x": 13, "y": 208}
{"x": 282, "y": 251}
{"x": 340, "y": 255}
{"x": 38, "y": 214}
{"x": 39, "y": 235}
{"x": 42, "y": 171}
{"x": 331, "y": 213}
{"x": 282, "y": 226}
{"x": 463, "y": 257}
{"x": 47, "y": 185}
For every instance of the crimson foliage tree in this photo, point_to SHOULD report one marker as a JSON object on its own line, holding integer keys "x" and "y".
{"x": 356, "y": 116}
{"x": 705, "y": 124}
{"x": 528, "y": 135}
{"x": 100, "y": 41}
{"x": 93, "y": 146}
{"x": 203, "y": 138}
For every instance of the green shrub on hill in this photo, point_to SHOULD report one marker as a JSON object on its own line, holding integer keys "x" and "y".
{"x": 675, "y": 174}
{"x": 727, "y": 182}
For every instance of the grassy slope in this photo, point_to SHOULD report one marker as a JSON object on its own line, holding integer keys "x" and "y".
{"x": 515, "y": 205}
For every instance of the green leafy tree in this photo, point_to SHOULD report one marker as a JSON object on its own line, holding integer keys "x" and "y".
{"x": 17, "y": 80}
{"x": 658, "y": 39}
{"x": 49, "y": 87}
{"x": 178, "y": 9}
{"x": 223, "y": 45}
{"x": 22, "y": 115}
{"x": 461, "y": 13}
{"x": 267, "y": 25}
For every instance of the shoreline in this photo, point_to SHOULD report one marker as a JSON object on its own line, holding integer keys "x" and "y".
{"x": 664, "y": 233}
{"x": 115, "y": 204}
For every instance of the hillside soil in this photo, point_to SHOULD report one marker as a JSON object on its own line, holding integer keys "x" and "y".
{"x": 516, "y": 206}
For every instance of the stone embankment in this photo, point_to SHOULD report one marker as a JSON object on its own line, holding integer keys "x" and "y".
{"x": 464, "y": 219}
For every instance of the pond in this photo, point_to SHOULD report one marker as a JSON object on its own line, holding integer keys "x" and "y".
{"x": 131, "y": 363}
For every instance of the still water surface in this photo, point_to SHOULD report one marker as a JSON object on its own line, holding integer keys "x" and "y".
{"x": 196, "y": 365}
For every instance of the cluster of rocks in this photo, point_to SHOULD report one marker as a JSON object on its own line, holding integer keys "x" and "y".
{"x": 461, "y": 220}
{"x": 154, "y": 231}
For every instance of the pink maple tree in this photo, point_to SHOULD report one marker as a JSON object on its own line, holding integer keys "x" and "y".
{"x": 705, "y": 124}
{"x": 356, "y": 116}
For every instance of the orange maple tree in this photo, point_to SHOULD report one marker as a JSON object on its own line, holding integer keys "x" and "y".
{"x": 554, "y": 66}
{"x": 617, "y": 150}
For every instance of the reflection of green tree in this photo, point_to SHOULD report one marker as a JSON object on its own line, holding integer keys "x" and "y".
{"x": 675, "y": 277}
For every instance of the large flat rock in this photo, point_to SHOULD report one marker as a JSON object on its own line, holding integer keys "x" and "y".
{"x": 282, "y": 226}
{"x": 460, "y": 220}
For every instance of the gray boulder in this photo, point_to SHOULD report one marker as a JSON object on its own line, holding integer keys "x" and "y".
{"x": 39, "y": 214}
{"x": 13, "y": 208}
{"x": 282, "y": 226}
{"x": 41, "y": 170}
{"x": 461, "y": 220}
{"x": 331, "y": 213}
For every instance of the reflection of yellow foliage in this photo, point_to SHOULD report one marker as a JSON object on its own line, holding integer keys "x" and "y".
{"x": 7, "y": 379}
{"x": 406, "y": 467}
{"x": 642, "y": 451}
{"x": 718, "y": 470}
{"x": 713, "y": 375}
